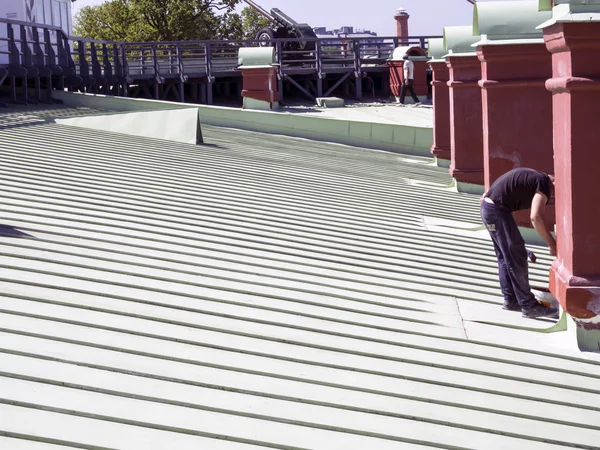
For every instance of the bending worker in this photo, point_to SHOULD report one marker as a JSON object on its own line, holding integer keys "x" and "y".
{"x": 516, "y": 190}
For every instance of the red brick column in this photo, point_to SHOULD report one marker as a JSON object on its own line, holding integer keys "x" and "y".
{"x": 441, "y": 110}
{"x": 466, "y": 127}
{"x": 517, "y": 112}
{"x": 575, "y": 85}
{"x": 260, "y": 83}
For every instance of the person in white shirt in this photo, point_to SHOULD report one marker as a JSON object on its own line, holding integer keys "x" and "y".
{"x": 407, "y": 83}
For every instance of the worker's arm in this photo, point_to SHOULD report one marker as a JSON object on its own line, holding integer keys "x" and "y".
{"x": 538, "y": 205}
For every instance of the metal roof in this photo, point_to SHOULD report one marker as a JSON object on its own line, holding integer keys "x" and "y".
{"x": 260, "y": 291}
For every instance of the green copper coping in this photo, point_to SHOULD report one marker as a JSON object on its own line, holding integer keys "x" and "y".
{"x": 459, "y": 40}
{"x": 546, "y": 5}
{"x": 256, "y": 56}
{"x": 436, "y": 48}
{"x": 571, "y": 12}
{"x": 395, "y": 137}
{"x": 508, "y": 20}
{"x": 399, "y": 52}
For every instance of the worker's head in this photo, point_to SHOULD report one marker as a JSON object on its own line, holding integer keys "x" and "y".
{"x": 405, "y": 56}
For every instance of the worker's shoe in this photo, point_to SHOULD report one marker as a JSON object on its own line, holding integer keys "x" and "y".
{"x": 540, "y": 311}
{"x": 511, "y": 306}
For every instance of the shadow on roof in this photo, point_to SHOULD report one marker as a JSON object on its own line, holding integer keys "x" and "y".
{"x": 12, "y": 232}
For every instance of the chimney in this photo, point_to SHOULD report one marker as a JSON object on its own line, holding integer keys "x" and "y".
{"x": 401, "y": 17}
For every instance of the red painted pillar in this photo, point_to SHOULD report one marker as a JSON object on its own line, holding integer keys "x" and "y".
{"x": 396, "y": 76}
{"x": 575, "y": 85}
{"x": 466, "y": 127}
{"x": 517, "y": 112}
{"x": 420, "y": 80}
{"x": 441, "y": 110}
{"x": 260, "y": 83}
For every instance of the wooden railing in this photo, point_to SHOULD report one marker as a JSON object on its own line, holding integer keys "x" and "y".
{"x": 45, "y": 56}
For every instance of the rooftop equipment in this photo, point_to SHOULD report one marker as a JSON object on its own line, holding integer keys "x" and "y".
{"x": 284, "y": 27}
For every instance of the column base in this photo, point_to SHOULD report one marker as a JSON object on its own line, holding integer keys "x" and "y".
{"x": 588, "y": 334}
{"x": 468, "y": 177}
{"x": 442, "y": 153}
{"x": 579, "y": 296}
{"x": 251, "y": 103}
{"x": 468, "y": 188}
{"x": 441, "y": 162}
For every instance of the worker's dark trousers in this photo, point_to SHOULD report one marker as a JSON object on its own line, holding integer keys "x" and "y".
{"x": 511, "y": 255}
{"x": 407, "y": 85}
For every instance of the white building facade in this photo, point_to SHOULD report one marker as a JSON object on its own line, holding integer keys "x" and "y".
{"x": 47, "y": 12}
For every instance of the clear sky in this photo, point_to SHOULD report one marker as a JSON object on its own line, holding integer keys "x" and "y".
{"x": 427, "y": 17}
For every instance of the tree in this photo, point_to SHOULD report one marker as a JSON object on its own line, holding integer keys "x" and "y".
{"x": 158, "y": 20}
{"x": 253, "y": 22}
{"x": 113, "y": 20}
{"x": 184, "y": 19}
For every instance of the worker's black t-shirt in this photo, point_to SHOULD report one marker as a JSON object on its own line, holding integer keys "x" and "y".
{"x": 515, "y": 189}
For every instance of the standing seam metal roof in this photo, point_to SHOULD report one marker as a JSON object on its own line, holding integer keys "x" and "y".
{"x": 258, "y": 292}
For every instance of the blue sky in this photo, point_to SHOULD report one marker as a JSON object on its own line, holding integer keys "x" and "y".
{"x": 427, "y": 17}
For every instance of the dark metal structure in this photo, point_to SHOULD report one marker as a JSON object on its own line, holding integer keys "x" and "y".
{"x": 36, "y": 58}
{"x": 284, "y": 27}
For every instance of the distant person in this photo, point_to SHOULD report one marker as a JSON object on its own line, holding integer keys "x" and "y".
{"x": 516, "y": 190}
{"x": 429, "y": 80}
{"x": 408, "y": 82}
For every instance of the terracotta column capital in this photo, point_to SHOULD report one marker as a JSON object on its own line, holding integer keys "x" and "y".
{"x": 562, "y": 37}
{"x": 570, "y": 84}
{"x": 512, "y": 52}
{"x": 463, "y": 62}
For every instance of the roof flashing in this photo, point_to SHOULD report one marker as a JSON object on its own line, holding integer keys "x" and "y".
{"x": 458, "y": 40}
{"x": 509, "y": 20}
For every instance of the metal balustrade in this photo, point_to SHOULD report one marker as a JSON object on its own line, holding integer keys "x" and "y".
{"x": 36, "y": 58}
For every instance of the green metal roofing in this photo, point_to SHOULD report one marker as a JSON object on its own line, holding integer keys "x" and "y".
{"x": 501, "y": 20}
{"x": 261, "y": 291}
{"x": 460, "y": 39}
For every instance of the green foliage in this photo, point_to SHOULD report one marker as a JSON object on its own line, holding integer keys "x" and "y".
{"x": 252, "y": 22}
{"x": 113, "y": 20}
{"x": 159, "y": 20}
